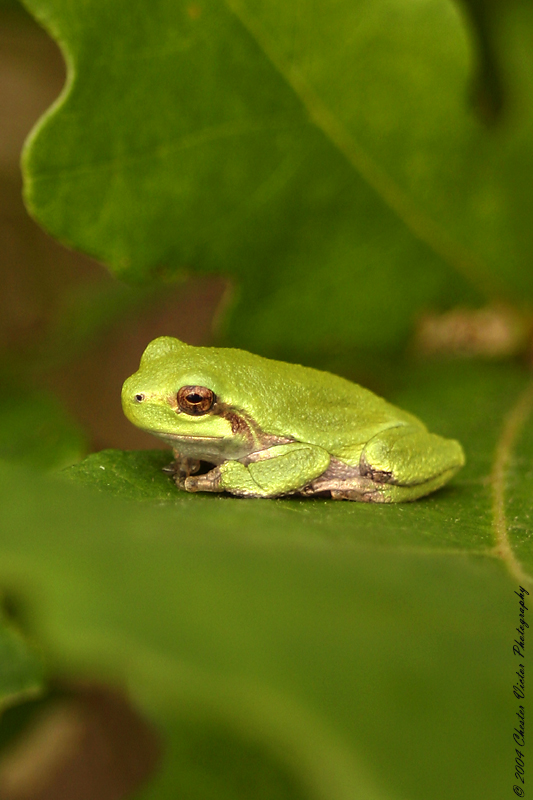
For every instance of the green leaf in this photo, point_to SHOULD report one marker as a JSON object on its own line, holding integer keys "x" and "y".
{"x": 36, "y": 429}
{"x": 209, "y": 759}
{"x": 327, "y": 158}
{"x": 338, "y": 645}
{"x": 21, "y": 668}
{"x": 136, "y": 475}
{"x": 330, "y": 652}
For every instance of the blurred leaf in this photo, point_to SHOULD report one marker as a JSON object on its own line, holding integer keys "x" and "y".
{"x": 329, "y": 654}
{"x": 88, "y": 312}
{"x": 489, "y": 92}
{"x": 36, "y": 429}
{"x": 331, "y": 635}
{"x": 21, "y": 669}
{"x": 12, "y": 5}
{"x": 328, "y": 158}
{"x": 207, "y": 759}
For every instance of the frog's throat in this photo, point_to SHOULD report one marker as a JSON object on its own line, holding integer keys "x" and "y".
{"x": 214, "y": 449}
{"x": 246, "y": 435}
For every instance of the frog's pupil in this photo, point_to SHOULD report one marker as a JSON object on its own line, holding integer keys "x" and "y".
{"x": 195, "y": 400}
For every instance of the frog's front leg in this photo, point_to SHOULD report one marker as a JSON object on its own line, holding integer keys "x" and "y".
{"x": 181, "y": 468}
{"x": 279, "y": 470}
{"x": 404, "y": 463}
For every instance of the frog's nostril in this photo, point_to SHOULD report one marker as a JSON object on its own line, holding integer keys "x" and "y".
{"x": 138, "y": 398}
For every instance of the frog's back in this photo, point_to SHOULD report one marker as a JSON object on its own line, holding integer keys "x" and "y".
{"x": 305, "y": 404}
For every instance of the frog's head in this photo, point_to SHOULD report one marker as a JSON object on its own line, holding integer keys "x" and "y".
{"x": 178, "y": 394}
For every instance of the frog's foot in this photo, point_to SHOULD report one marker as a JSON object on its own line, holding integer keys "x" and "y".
{"x": 366, "y": 491}
{"x": 396, "y": 466}
{"x": 209, "y": 482}
{"x": 344, "y": 482}
{"x": 181, "y": 468}
{"x": 406, "y": 463}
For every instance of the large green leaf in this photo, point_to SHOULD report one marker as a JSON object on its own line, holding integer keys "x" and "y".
{"x": 348, "y": 650}
{"x": 325, "y": 156}
{"x": 36, "y": 429}
{"x": 337, "y": 653}
{"x": 21, "y": 668}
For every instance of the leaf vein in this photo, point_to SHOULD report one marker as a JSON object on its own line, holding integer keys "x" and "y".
{"x": 513, "y": 424}
{"x": 466, "y": 263}
{"x": 186, "y": 142}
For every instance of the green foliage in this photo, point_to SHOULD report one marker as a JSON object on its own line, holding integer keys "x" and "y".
{"x": 135, "y": 475}
{"x": 304, "y": 632}
{"x": 21, "y": 669}
{"x": 330, "y": 159}
{"x": 281, "y": 144}
{"x": 340, "y": 634}
{"x": 35, "y": 429}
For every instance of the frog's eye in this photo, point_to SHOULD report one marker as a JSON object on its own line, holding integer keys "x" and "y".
{"x": 195, "y": 400}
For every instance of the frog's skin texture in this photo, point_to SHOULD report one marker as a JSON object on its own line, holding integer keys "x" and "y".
{"x": 269, "y": 429}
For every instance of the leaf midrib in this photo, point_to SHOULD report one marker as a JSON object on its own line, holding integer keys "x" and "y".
{"x": 513, "y": 423}
{"x": 466, "y": 263}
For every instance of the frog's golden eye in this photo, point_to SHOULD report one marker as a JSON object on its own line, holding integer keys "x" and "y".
{"x": 195, "y": 400}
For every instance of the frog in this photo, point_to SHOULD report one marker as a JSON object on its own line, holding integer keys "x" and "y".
{"x": 255, "y": 427}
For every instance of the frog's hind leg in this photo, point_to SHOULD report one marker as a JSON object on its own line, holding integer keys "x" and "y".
{"x": 367, "y": 491}
{"x": 406, "y": 463}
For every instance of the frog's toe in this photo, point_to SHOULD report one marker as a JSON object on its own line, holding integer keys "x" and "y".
{"x": 182, "y": 466}
{"x": 209, "y": 482}
{"x": 373, "y": 474}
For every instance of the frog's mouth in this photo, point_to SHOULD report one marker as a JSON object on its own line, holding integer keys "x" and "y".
{"x": 182, "y": 438}
{"x": 215, "y": 449}
{"x": 178, "y": 437}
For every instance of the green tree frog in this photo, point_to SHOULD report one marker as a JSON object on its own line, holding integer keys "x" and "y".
{"x": 267, "y": 428}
